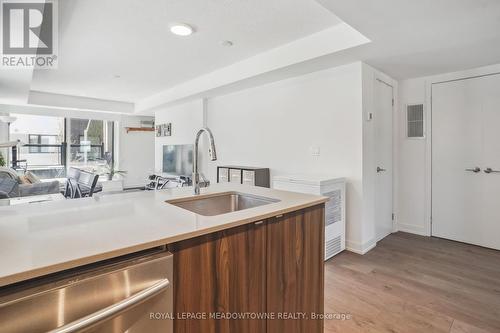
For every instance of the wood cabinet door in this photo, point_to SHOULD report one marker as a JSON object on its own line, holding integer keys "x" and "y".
{"x": 224, "y": 273}
{"x": 295, "y": 252}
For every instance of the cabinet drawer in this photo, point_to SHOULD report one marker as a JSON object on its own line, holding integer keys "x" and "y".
{"x": 235, "y": 175}
{"x": 223, "y": 175}
{"x": 248, "y": 177}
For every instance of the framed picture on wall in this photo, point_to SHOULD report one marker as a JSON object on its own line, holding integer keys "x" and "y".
{"x": 164, "y": 130}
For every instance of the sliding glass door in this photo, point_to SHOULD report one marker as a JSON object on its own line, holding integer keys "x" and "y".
{"x": 91, "y": 145}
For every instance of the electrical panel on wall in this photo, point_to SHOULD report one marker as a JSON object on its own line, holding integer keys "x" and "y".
{"x": 415, "y": 121}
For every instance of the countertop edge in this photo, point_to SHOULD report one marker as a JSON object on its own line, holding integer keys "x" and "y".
{"x": 59, "y": 267}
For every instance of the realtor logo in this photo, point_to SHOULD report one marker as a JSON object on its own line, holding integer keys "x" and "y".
{"x": 29, "y": 34}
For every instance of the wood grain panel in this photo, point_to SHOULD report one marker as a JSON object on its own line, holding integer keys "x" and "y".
{"x": 222, "y": 272}
{"x": 295, "y": 249}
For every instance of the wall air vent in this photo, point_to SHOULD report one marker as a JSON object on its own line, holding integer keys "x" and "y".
{"x": 415, "y": 121}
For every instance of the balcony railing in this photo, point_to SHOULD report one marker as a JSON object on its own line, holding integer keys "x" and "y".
{"x": 96, "y": 152}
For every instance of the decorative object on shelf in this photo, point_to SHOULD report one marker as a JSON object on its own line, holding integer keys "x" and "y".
{"x": 139, "y": 129}
{"x": 164, "y": 129}
{"x": 2, "y": 160}
{"x": 147, "y": 124}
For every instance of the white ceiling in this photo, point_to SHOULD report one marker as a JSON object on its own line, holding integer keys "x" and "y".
{"x": 100, "y": 39}
{"x": 414, "y": 38}
{"x": 103, "y": 38}
{"x": 408, "y": 39}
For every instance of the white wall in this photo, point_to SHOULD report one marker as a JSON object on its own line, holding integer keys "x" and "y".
{"x": 275, "y": 125}
{"x": 186, "y": 120}
{"x": 136, "y": 152}
{"x": 412, "y": 163}
{"x": 414, "y": 180}
{"x": 4, "y": 131}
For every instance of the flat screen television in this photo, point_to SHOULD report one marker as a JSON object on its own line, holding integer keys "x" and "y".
{"x": 178, "y": 160}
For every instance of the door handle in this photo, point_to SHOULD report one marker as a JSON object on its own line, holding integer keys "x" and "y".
{"x": 475, "y": 170}
{"x": 112, "y": 310}
{"x": 379, "y": 169}
{"x": 490, "y": 170}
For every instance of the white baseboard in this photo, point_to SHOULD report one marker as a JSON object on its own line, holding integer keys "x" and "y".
{"x": 360, "y": 248}
{"x": 413, "y": 229}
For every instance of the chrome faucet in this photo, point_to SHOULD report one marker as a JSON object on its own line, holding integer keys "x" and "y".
{"x": 211, "y": 152}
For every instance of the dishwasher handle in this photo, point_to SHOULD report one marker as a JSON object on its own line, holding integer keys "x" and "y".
{"x": 113, "y": 310}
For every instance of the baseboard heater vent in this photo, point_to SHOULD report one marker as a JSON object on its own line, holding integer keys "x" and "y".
{"x": 333, "y": 246}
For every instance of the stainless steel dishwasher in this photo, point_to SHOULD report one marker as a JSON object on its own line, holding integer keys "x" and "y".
{"x": 132, "y": 294}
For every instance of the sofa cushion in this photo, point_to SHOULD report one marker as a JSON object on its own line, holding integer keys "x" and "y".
{"x": 9, "y": 173}
{"x": 24, "y": 180}
{"x": 39, "y": 188}
{"x": 31, "y": 177}
{"x": 9, "y": 187}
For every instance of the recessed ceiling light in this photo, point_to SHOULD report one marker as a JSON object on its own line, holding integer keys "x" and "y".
{"x": 181, "y": 29}
{"x": 226, "y": 43}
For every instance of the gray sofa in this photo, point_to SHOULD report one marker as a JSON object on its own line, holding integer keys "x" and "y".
{"x": 11, "y": 185}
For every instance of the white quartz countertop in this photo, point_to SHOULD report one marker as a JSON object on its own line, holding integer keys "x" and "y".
{"x": 42, "y": 238}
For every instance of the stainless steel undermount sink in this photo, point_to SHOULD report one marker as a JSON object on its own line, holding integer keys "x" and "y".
{"x": 222, "y": 203}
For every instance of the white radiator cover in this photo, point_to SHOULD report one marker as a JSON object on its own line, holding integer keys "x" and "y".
{"x": 334, "y": 188}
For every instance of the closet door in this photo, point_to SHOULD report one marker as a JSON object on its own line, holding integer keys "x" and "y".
{"x": 489, "y": 228}
{"x": 383, "y": 155}
{"x": 457, "y": 150}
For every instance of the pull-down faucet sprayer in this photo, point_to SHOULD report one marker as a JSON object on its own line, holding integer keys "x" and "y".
{"x": 211, "y": 152}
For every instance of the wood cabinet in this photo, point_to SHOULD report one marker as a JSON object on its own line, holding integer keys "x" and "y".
{"x": 295, "y": 253}
{"x": 270, "y": 267}
{"x": 218, "y": 273}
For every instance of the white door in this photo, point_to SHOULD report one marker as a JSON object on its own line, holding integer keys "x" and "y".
{"x": 383, "y": 97}
{"x": 489, "y": 225}
{"x": 465, "y": 142}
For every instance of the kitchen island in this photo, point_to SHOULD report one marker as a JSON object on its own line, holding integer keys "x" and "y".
{"x": 265, "y": 260}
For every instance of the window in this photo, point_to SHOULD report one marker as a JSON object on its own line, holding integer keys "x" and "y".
{"x": 40, "y": 143}
{"x": 51, "y": 144}
{"x": 42, "y": 140}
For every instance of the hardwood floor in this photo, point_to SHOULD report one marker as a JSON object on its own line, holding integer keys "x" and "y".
{"x": 410, "y": 283}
